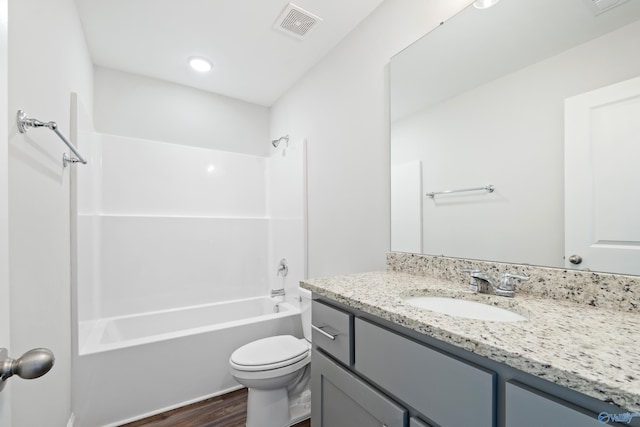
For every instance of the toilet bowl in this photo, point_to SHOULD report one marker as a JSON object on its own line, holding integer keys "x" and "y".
{"x": 276, "y": 372}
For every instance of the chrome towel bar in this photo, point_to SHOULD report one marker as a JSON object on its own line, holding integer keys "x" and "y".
{"x": 25, "y": 122}
{"x": 487, "y": 188}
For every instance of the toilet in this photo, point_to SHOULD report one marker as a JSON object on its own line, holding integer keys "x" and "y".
{"x": 276, "y": 372}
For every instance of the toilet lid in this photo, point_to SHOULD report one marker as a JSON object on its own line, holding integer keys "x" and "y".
{"x": 270, "y": 353}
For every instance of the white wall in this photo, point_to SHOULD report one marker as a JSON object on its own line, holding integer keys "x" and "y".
{"x": 341, "y": 106}
{"x": 47, "y": 60}
{"x": 142, "y": 107}
{"x": 510, "y": 133}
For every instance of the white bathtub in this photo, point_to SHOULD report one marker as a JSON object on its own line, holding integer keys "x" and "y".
{"x": 134, "y": 366}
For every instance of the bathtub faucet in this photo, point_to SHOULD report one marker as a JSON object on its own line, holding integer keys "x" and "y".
{"x": 283, "y": 268}
{"x": 277, "y": 292}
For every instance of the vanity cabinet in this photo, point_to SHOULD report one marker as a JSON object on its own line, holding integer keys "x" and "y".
{"x": 347, "y": 401}
{"x": 369, "y": 372}
{"x": 446, "y": 390}
{"x": 527, "y": 407}
{"x": 385, "y": 368}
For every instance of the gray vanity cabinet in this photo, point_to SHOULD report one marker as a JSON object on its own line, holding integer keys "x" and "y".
{"x": 449, "y": 392}
{"x": 366, "y": 372}
{"x": 527, "y": 407}
{"x": 341, "y": 399}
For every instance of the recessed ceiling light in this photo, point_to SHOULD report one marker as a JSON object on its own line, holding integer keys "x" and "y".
{"x": 484, "y": 4}
{"x": 200, "y": 64}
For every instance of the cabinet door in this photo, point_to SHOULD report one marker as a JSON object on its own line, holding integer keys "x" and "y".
{"x": 529, "y": 408}
{"x": 340, "y": 399}
{"x": 414, "y": 422}
{"x": 449, "y": 392}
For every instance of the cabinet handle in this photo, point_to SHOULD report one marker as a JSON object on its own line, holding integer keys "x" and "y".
{"x": 332, "y": 337}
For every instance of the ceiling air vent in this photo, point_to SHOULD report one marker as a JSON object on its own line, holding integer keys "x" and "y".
{"x": 296, "y": 22}
{"x": 600, "y": 6}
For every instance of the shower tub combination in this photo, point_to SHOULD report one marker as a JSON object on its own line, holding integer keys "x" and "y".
{"x": 174, "y": 271}
{"x": 138, "y": 365}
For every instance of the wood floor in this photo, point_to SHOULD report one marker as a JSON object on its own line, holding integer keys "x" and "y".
{"x": 228, "y": 410}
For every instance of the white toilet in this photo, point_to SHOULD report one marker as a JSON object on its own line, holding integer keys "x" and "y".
{"x": 276, "y": 371}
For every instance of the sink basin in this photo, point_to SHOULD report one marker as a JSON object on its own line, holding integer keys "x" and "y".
{"x": 464, "y": 308}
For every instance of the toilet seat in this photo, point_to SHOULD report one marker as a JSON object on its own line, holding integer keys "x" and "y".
{"x": 269, "y": 353}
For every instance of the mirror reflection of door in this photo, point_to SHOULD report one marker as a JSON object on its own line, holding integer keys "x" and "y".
{"x": 602, "y": 179}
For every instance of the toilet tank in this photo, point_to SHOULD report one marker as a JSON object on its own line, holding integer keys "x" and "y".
{"x": 305, "y": 312}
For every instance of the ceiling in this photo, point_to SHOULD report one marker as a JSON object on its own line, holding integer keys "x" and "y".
{"x": 252, "y": 61}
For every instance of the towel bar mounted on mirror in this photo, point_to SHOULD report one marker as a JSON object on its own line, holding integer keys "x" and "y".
{"x": 487, "y": 188}
{"x": 25, "y": 122}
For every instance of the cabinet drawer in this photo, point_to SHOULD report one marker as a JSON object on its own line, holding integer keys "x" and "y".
{"x": 332, "y": 331}
{"x": 341, "y": 399}
{"x": 447, "y": 391}
{"x": 526, "y": 407}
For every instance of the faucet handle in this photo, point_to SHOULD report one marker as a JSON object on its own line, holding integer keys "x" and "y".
{"x": 473, "y": 272}
{"x": 283, "y": 268}
{"x": 508, "y": 281}
{"x": 473, "y": 284}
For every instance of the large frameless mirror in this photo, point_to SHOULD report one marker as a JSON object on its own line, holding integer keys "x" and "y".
{"x": 538, "y": 99}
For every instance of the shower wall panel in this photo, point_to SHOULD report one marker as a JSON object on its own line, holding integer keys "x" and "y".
{"x": 286, "y": 209}
{"x": 163, "y": 225}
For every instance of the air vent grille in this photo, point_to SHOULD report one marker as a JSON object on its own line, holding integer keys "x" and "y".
{"x": 601, "y": 6}
{"x": 296, "y": 21}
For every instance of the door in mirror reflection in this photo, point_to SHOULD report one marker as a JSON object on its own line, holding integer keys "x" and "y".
{"x": 602, "y": 179}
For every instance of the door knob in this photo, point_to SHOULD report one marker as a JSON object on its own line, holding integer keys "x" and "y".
{"x": 33, "y": 364}
{"x": 575, "y": 259}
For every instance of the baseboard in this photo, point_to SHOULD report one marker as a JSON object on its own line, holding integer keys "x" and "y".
{"x": 170, "y": 408}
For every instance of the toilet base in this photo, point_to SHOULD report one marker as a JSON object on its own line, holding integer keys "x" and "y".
{"x": 300, "y": 407}
{"x": 268, "y": 408}
{"x": 275, "y": 408}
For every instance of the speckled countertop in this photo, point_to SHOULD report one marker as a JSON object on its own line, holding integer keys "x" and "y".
{"x": 592, "y": 350}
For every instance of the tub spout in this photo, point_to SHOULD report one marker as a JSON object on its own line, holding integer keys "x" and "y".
{"x": 277, "y": 292}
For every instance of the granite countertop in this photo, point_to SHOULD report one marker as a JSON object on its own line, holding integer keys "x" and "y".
{"x": 592, "y": 350}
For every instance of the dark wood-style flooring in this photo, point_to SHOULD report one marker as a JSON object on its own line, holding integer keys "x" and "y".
{"x": 228, "y": 410}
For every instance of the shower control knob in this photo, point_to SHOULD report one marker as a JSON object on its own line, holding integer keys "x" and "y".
{"x": 575, "y": 259}
{"x": 33, "y": 364}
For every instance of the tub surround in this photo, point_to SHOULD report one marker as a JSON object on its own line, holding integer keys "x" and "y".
{"x": 582, "y": 333}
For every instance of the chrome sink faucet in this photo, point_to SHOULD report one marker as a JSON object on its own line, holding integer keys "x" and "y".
{"x": 482, "y": 283}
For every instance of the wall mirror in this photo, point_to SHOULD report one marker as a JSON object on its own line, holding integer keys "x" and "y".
{"x": 540, "y": 99}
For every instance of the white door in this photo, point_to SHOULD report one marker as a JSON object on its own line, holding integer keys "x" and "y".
{"x": 602, "y": 179}
{"x": 5, "y": 405}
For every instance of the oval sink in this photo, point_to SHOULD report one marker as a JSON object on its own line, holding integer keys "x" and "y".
{"x": 464, "y": 308}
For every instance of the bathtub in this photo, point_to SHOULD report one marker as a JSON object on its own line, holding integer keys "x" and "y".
{"x": 134, "y": 366}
